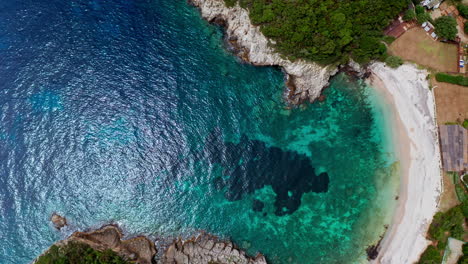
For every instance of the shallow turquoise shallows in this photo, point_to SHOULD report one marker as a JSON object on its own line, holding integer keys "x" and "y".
{"x": 134, "y": 112}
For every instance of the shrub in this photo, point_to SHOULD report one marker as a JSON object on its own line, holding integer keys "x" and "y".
{"x": 465, "y": 27}
{"x": 455, "y": 79}
{"x": 230, "y": 3}
{"x": 393, "y": 61}
{"x": 465, "y": 123}
{"x": 388, "y": 39}
{"x": 442, "y": 244}
{"x": 446, "y": 27}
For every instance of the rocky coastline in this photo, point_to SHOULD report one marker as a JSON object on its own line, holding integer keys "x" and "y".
{"x": 305, "y": 80}
{"x": 201, "y": 249}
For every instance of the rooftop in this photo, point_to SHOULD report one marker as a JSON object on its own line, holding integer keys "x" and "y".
{"x": 454, "y": 147}
{"x": 431, "y": 3}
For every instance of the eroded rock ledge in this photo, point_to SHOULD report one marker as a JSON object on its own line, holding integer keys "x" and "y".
{"x": 207, "y": 249}
{"x": 305, "y": 80}
{"x": 202, "y": 249}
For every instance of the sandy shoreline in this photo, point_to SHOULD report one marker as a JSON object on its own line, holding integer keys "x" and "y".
{"x": 415, "y": 133}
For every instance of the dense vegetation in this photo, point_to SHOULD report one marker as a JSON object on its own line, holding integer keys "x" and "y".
{"x": 445, "y": 225}
{"x": 464, "y": 258}
{"x": 422, "y": 16}
{"x": 431, "y": 256}
{"x": 409, "y": 15}
{"x": 79, "y": 253}
{"x": 325, "y": 31}
{"x": 448, "y": 224}
{"x": 455, "y": 79}
{"x": 446, "y": 27}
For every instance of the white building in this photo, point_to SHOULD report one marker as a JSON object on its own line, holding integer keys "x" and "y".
{"x": 431, "y": 4}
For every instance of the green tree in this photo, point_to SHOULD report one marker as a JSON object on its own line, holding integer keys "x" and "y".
{"x": 465, "y": 27}
{"x": 423, "y": 17}
{"x": 409, "y": 15}
{"x": 420, "y": 9}
{"x": 446, "y": 27}
{"x": 463, "y": 10}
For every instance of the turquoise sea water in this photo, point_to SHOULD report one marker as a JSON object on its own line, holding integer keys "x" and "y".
{"x": 134, "y": 112}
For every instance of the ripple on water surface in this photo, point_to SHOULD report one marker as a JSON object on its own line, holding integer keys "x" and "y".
{"x": 132, "y": 111}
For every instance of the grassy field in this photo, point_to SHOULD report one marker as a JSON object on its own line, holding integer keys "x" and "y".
{"x": 415, "y": 45}
{"x": 450, "y": 101}
{"x": 449, "y": 198}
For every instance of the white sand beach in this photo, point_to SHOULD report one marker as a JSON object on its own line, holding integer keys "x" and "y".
{"x": 415, "y": 132}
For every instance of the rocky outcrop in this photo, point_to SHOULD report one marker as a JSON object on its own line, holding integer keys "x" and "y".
{"x": 207, "y": 249}
{"x": 139, "y": 249}
{"x": 203, "y": 249}
{"x": 58, "y": 221}
{"x": 305, "y": 79}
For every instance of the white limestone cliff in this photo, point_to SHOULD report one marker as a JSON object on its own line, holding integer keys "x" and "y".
{"x": 305, "y": 79}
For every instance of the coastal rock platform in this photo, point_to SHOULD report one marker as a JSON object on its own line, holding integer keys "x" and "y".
{"x": 201, "y": 249}
{"x": 207, "y": 249}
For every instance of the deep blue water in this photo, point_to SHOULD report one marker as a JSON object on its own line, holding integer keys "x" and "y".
{"x": 133, "y": 111}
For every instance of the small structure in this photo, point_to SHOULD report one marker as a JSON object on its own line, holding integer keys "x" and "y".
{"x": 453, "y": 251}
{"x": 430, "y": 29}
{"x": 454, "y": 147}
{"x": 427, "y": 25}
{"x": 431, "y": 4}
{"x": 396, "y": 28}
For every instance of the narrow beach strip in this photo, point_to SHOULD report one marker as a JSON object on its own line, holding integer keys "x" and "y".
{"x": 415, "y": 132}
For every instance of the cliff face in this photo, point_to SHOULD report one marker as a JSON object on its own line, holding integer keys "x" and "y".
{"x": 305, "y": 79}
